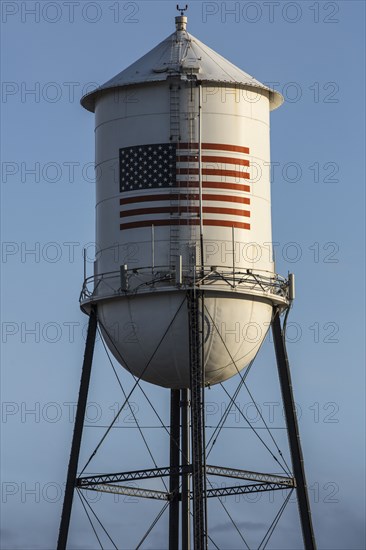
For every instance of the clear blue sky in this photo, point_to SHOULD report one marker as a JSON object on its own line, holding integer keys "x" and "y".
{"x": 314, "y": 52}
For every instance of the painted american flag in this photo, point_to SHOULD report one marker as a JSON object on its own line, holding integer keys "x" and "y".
{"x": 159, "y": 184}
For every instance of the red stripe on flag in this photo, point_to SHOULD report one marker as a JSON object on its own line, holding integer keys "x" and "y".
{"x": 228, "y": 211}
{"x": 184, "y": 197}
{"x": 183, "y": 210}
{"x": 213, "y": 223}
{"x": 225, "y": 147}
{"x": 224, "y": 198}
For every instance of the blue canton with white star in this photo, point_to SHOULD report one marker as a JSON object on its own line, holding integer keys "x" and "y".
{"x": 147, "y": 167}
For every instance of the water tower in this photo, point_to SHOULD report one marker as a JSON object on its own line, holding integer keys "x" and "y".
{"x": 183, "y": 234}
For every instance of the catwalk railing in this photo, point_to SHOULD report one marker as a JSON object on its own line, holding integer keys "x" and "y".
{"x": 161, "y": 278}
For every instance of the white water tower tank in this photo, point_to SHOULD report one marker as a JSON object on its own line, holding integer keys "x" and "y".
{"x": 183, "y": 201}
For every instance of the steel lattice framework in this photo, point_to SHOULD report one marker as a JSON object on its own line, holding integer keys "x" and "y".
{"x": 109, "y": 483}
{"x": 87, "y": 482}
{"x": 181, "y": 471}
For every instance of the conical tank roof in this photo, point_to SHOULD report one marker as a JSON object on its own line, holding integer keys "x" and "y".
{"x": 182, "y": 55}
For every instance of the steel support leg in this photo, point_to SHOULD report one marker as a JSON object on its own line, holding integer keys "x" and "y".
{"x": 174, "y": 465}
{"x": 197, "y": 421}
{"x": 78, "y": 430}
{"x": 186, "y": 496}
{"x": 293, "y": 433}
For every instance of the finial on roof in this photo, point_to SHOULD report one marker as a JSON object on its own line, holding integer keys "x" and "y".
{"x": 181, "y": 20}
{"x": 182, "y": 10}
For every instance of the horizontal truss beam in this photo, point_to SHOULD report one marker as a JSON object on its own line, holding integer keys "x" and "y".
{"x": 130, "y": 476}
{"x": 129, "y": 491}
{"x": 162, "y": 495}
{"x": 242, "y": 489}
{"x": 250, "y": 476}
{"x": 84, "y": 482}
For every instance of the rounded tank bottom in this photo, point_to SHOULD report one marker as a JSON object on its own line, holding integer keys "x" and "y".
{"x": 149, "y": 335}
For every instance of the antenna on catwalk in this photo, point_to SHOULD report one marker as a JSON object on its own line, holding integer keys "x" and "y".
{"x": 185, "y": 127}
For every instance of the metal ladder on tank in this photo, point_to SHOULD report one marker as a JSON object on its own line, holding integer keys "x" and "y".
{"x": 174, "y": 203}
{"x": 192, "y": 122}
